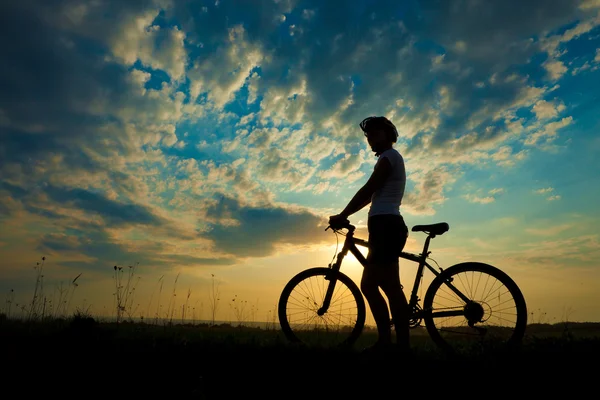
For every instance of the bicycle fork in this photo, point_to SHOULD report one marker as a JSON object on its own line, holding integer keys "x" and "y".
{"x": 332, "y": 278}
{"x": 327, "y": 300}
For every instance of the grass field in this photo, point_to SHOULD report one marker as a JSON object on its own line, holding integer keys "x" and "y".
{"x": 79, "y": 357}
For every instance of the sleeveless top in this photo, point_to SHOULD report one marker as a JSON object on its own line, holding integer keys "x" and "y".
{"x": 387, "y": 199}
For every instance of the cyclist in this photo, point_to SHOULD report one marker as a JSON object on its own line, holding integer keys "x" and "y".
{"x": 387, "y": 233}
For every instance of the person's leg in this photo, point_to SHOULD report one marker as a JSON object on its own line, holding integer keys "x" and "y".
{"x": 379, "y": 308}
{"x": 369, "y": 283}
{"x": 396, "y": 234}
{"x": 389, "y": 281}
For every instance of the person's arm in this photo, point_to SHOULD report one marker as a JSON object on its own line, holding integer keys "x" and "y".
{"x": 382, "y": 170}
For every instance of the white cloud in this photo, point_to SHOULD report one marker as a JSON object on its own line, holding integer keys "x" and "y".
{"x": 548, "y": 132}
{"x": 284, "y": 105}
{"x": 474, "y": 198}
{"x": 253, "y": 87}
{"x": 428, "y": 191}
{"x": 505, "y": 157}
{"x": 555, "y": 69}
{"x": 246, "y": 119}
{"x": 547, "y": 110}
{"x": 226, "y": 71}
{"x": 551, "y": 44}
{"x": 582, "y": 68}
{"x": 544, "y": 190}
{"x": 346, "y": 167}
{"x": 481, "y": 200}
{"x": 597, "y": 58}
{"x": 158, "y": 48}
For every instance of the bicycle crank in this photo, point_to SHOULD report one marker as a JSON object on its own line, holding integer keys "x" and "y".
{"x": 416, "y": 316}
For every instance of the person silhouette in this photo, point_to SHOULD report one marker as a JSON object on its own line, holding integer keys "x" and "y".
{"x": 387, "y": 234}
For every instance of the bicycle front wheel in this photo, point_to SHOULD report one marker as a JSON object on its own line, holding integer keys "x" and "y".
{"x": 474, "y": 306}
{"x": 303, "y": 318}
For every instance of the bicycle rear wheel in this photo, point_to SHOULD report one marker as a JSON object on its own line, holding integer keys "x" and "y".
{"x": 301, "y": 317}
{"x": 493, "y": 317}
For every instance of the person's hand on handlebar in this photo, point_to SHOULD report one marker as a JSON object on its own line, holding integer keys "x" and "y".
{"x": 338, "y": 221}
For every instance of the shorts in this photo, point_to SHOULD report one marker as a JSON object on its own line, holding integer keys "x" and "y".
{"x": 387, "y": 236}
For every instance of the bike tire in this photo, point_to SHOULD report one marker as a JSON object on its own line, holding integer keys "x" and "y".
{"x": 509, "y": 340}
{"x": 345, "y": 338}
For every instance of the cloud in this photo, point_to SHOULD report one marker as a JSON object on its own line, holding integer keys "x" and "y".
{"x": 227, "y": 70}
{"x": 566, "y": 252}
{"x": 505, "y": 156}
{"x": 112, "y": 212}
{"x": 555, "y": 69}
{"x": 474, "y": 198}
{"x": 428, "y": 191}
{"x": 123, "y": 122}
{"x": 544, "y": 190}
{"x": 481, "y": 200}
{"x": 346, "y": 167}
{"x": 259, "y": 230}
{"x": 552, "y": 43}
{"x": 155, "y": 47}
{"x": 546, "y": 110}
{"x": 549, "y": 191}
{"x": 549, "y": 131}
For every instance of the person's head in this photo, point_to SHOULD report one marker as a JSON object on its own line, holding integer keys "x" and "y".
{"x": 380, "y": 133}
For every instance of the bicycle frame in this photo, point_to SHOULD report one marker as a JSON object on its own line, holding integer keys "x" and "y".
{"x": 350, "y": 245}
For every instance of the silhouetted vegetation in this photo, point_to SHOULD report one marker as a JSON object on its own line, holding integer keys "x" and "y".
{"x": 44, "y": 351}
{"x": 82, "y": 355}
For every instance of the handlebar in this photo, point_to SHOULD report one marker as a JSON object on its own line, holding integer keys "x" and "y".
{"x": 343, "y": 224}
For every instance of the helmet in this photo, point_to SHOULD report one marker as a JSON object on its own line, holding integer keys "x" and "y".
{"x": 382, "y": 123}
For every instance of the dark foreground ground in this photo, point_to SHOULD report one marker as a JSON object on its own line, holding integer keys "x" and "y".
{"x": 84, "y": 359}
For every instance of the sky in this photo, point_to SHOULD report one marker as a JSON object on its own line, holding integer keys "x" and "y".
{"x": 206, "y": 143}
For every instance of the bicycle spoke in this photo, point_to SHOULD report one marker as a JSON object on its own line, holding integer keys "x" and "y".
{"x": 311, "y": 293}
{"x": 504, "y": 319}
{"x": 494, "y": 315}
{"x": 447, "y": 289}
{"x": 472, "y": 283}
{"x": 460, "y": 301}
{"x": 477, "y": 287}
{"x": 491, "y": 292}
{"x": 306, "y": 298}
{"x": 463, "y": 284}
{"x": 496, "y": 291}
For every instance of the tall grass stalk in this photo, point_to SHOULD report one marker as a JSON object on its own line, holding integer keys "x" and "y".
{"x": 152, "y": 296}
{"x": 38, "y": 291}
{"x": 214, "y": 299}
{"x": 125, "y": 293}
{"x": 60, "y": 307}
{"x": 185, "y": 306}
{"x": 158, "y": 304}
{"x": 171, "y": 306}
{"x": 10, "y": 300}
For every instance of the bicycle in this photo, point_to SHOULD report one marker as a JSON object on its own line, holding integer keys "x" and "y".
{"x": 334, "y": 308}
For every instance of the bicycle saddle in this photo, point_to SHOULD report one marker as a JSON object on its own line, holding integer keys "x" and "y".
{"x": 435, "y": 229}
